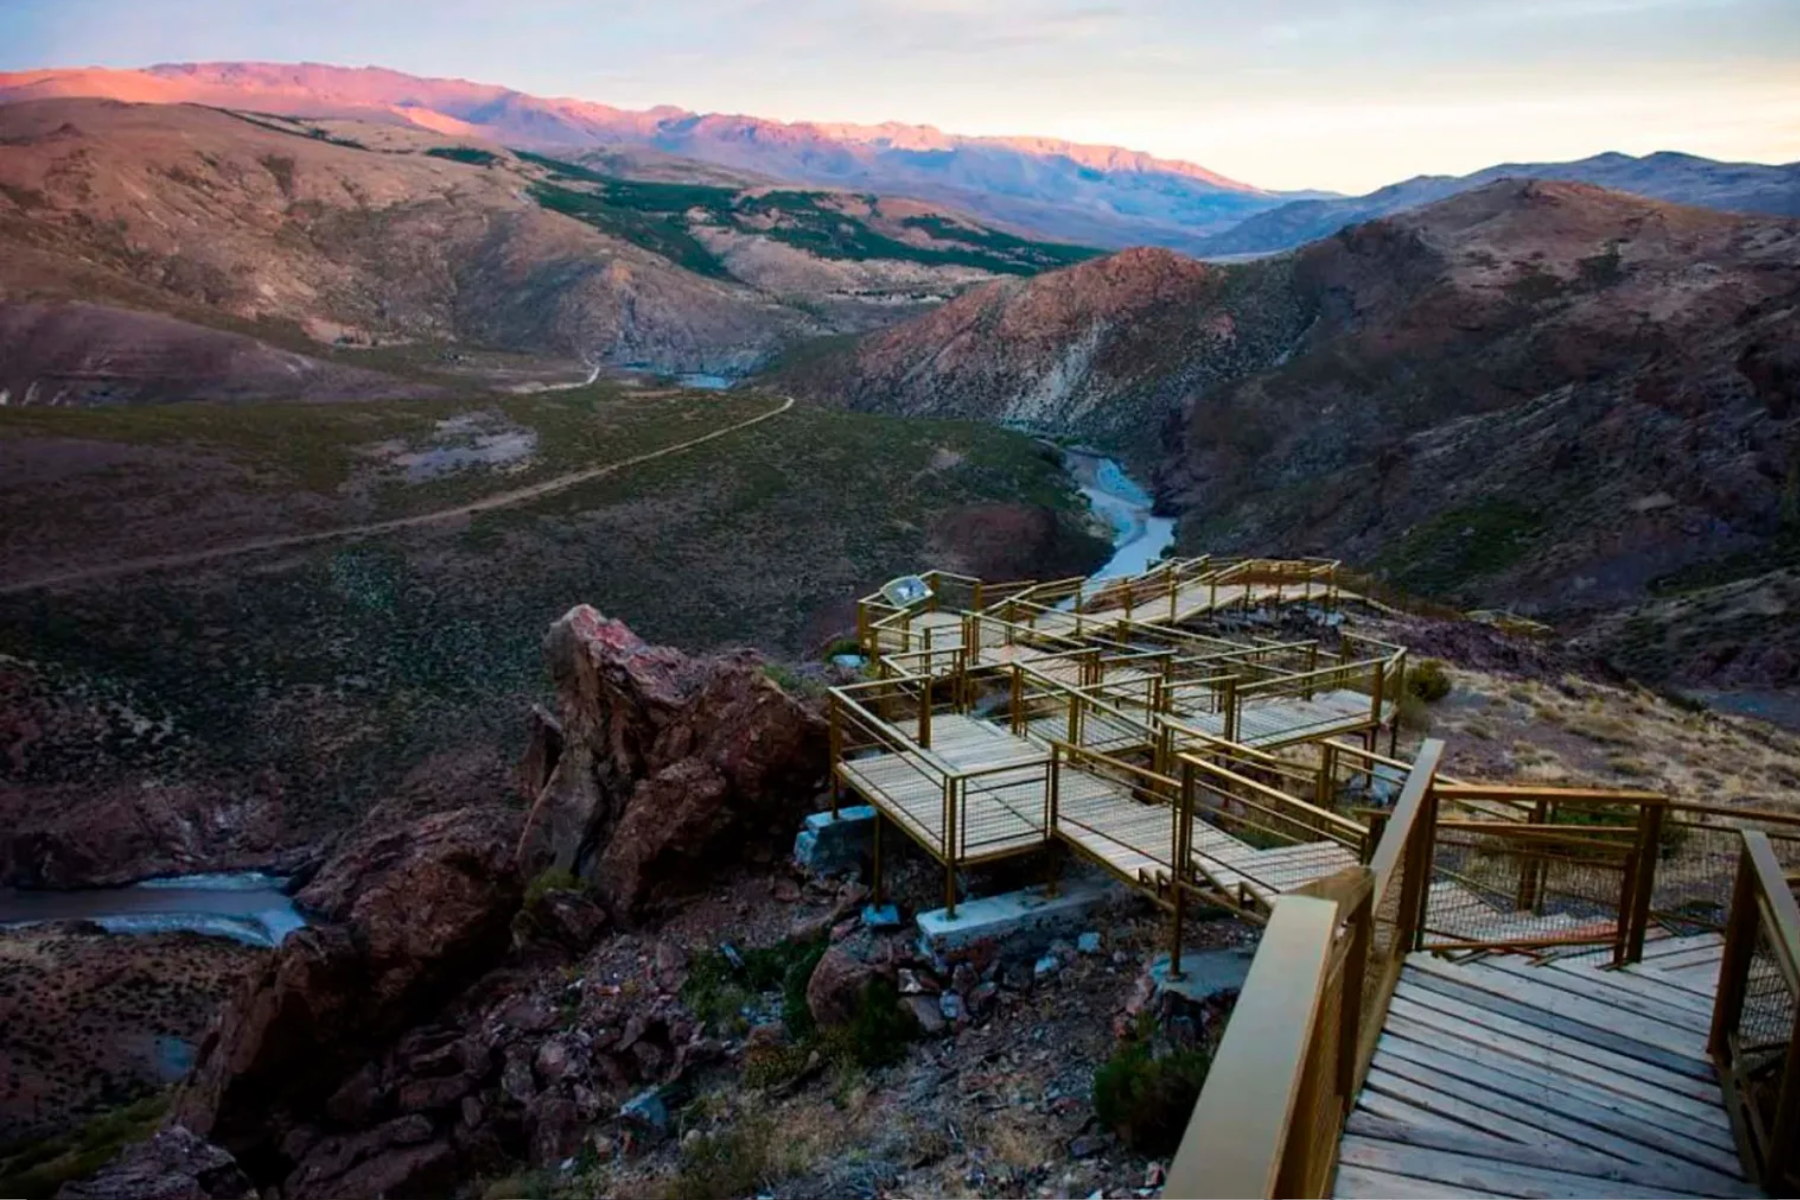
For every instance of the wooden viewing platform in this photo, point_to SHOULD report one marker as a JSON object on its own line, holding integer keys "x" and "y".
{"x": 1484, "y": 990}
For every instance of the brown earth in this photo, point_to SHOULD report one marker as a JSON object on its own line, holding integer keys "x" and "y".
{"x": 90, "y": 1020}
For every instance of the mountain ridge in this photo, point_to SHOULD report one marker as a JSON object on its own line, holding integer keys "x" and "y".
{"x": 1081, "y": 192}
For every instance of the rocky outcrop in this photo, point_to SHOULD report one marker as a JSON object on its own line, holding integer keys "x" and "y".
{"x": 172, "y": 1165}
{"x": 407, "y": 915}
{"x": 670, "y": 766}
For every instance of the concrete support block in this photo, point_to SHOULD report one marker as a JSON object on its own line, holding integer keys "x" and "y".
{"x": 1017, "y": 924}
{"x": 830, "y": 845}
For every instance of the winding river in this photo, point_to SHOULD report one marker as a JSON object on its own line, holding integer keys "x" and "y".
{"x": 1139, "y": 538}
{"x": 248, "y": 907}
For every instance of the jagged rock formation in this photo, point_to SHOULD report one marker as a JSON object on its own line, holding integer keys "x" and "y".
{"x": 669, "y": 764}
{"x": 411, "y": 1035}
{"x": 406, "y": 915}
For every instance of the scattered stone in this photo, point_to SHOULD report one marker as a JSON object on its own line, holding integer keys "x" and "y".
{"x": 1046, "y": 966}
{"x": 964, "y": 978}
{"x": 1087, "y": 1145}
{"x": 843, "y": 929}
{"x": 1120, "y": 958}
{"x": 928, "y": 1012}
{"x": 950, "y": 1005}
{"x": 982, "y": 998}
{"x": 917, "y": 983}
{"x": 647, "y": 1109}
{"x": 1088, "y": 943}
{"x": 1154, "y": 1175}
{"x": 172, "y": 1165}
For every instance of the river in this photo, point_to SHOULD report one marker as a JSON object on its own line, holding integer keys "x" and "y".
{"x": 1139, "y": 538}
{"x": 248, "y": 907}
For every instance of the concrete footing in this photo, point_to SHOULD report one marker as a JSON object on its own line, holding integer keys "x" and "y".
{"x": 833, "y": 845}
{"x": 1016, "y": 923}
{"x": 1205, "y": 973}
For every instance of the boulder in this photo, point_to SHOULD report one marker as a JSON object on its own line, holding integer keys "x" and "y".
{"x": 173, "y": 1164}
{"x": 836, "y": 986}
{"x": 406, "y": 915}
{"x": 669, "y": 767}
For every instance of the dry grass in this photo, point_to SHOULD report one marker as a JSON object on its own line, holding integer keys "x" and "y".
{"x": 1578, "y": 731}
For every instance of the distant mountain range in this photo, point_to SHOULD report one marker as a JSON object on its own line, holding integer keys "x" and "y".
{"x": 1666, "y": 175}
{"x": 1095, "y": 195}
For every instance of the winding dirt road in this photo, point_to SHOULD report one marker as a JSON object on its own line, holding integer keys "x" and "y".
{"x": 133, "y": 566}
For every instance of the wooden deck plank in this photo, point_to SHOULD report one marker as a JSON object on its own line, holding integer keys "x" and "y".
{"x": 1603, "y": 992}
{"x": 1675, "y": 1092}
{"x": 1604, "y": 1171}
{"x": 1362, "y": 1183}
{"x": 1565, "y": 1027}
{"x": 1568, "y": 1102}
{"x": 1483, "y": 1175}
{"x": 1458, "y": 1109}
{"x": 1652, "y": 986}
{"x": 1675, "y": 1040}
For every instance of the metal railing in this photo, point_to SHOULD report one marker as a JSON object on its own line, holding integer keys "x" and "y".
{"x": 1755, "y": 1041}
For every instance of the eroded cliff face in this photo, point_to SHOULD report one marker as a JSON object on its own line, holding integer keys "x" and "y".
{"x": 414, "y": 1034}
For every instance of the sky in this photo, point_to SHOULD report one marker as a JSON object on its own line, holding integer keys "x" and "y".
{"x": 1344, "y": 95}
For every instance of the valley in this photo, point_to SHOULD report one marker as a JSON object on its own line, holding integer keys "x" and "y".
{"x": 432, "y": 522}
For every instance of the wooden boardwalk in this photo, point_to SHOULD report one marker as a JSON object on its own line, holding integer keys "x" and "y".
{"x": 1507, "y": 1076}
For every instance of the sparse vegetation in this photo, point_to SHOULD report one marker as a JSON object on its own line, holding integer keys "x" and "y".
{"x": 1146, "y": 1097}
{"x": 1428, "y": 680}
{"x": 471, "y": 155}
{"x": 39, "y": 1168}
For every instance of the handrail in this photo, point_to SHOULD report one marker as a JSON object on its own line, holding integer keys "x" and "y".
{"x": 1237, "y": 1137}
{"x": 1354, "y": 832}
{"x": 1761, "y": 1081}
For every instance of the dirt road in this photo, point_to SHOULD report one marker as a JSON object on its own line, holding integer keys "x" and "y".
{"x": 506, "y": 499}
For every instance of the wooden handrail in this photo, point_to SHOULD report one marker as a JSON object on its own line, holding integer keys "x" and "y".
{"x": 1762, "y": 1088}
{"x": 1237, "y": 1137}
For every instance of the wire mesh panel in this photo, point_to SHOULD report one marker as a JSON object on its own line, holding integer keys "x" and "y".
{"x": 1698, "y": 856}
{"x": 1496, "y": 884}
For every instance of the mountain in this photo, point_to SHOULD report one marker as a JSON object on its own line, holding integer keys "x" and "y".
{"x": 1106, "y": 350}
{"x": 1541, "y": 394}
{"x": 226, "y": 254}
{"x": 1679, "y": 178}
{"x": 1099, "y": 195}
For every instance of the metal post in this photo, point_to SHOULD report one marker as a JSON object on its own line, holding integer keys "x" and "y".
{"x": 925, "y": 713}
{"x": 875, "y": 889}
{"x": 950, "y": 849}
{"x": 1175, "y": 971}
{"x": 837, "y": 754}
{"x": 1229, "y": 701}
{"x": 1650, "y": 820}
{"x": 1323, "y": 791}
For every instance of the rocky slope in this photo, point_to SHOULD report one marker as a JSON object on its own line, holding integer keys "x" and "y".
{"x": 1539, "y": 394}
{"x": 1100, "y": 195}
{"x": 1677, "y": 178}
{"x": 266, "y": 251}
{"x": 1106, "y": 351}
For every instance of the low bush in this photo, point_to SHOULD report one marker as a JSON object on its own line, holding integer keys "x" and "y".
{"x": 1145, "y": 1098}
{"x": 731, "y": 1162}
{"x": 877, "y": 1035}
{"x": 1428, "y": 681}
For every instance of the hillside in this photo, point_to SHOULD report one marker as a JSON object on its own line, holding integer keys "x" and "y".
{"x": 1678, "y": 178}
{"x": 1105, "y": 351}
{"x": 1099, "y": 195}
{"x": 225, "y": 254}
{"x": 1542, "y": 395}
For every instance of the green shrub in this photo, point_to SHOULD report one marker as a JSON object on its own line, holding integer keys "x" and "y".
{"x": 843, "y": 645}
{"x": 553, "y": 880}
{"x": 716, "y": 991}
{"x": 1147, "y": 1099}
{"x": 464, "y": 154}
{"x": 773, "y": 1066}
{"x": 877, "y": 1035}
{"x": 1428, "y": 681}
{"x": 40, "y": 1168}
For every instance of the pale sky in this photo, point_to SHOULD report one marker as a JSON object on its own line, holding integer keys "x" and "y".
{"x": 1339, "y": 94}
